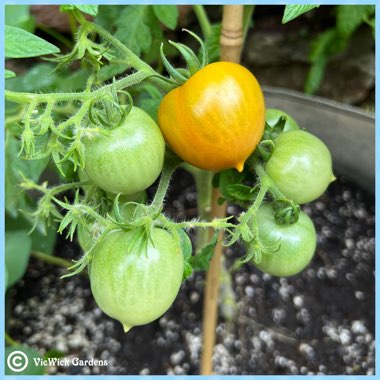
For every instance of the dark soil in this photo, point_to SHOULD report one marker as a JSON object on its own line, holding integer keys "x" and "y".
{"x": 321, "y": 321}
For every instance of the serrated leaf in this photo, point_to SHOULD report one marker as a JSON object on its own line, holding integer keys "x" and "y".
{"x": 350, "y": 17}
{"x": 91, "y": 10}
{"x": 167, "y": 14}
{"x": 201, "y": 262}
{"x": 133, "y": 29}
{"x": 9, "y": 74}
{"x": 22, "y": 44}
{"x": 292, "y": 11}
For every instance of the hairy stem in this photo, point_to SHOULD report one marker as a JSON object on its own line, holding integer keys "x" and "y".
{"x": 203, "y": 182}
{"x": 25, "y": 97}
{"x": 169, "y": 167}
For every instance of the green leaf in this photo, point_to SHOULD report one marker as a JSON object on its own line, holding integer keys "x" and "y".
{"x": 212, "y": 43}
{"x": 201, "y": 262}
{"x": 22, "y": 44}
{"x": 293, "y": 11}
{"x": 187, "y": 271}
{"x": 323, "y": 47}
{"x": 149, "y": 98}
{"x": 42, "y": 77}
{"x": 350, "y": 17}
{"x": 9, "y": 74}
{"x": 89, "y": 9}
{"x": 372, "y": 23}
{"x": 66, "y": 8}
{"x": 133, "y": 29}
{"x": 186, "y": 246}
{"x": 40, "y": 242}
{"x": 167, "y": 14}
{"x": 19, "y": 15}
{"x": 241, "y": 192}
{"x": 19, "y": 360}
{"x": 315, "y": 75}
{"x": 18, "y": 245}
{"x": 227, "y": 178}
{"x": 107, "y": 15}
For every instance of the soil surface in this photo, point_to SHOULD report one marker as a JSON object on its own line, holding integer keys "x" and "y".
{"x": 321, "y": 321}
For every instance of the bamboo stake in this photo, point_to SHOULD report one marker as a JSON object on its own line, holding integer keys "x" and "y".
{"x": 232, "y": 36}
{"x": 231, "y": 42}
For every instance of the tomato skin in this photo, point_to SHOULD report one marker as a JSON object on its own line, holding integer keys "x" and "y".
{"x": 215, "y": 120}
{"x": 297, "y": 243}
{"x": 300, "y": 165}
{"x": 138, "y": 286}
{"x": 272, "y": 115}
{"x": 128, "y": 160}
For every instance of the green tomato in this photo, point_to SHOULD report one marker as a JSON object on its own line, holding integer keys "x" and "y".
{"x": 134, "y": 279}
{"x": 130, "y": 158}
{"x": 272, "y": 116}
{"x": 297, "y": 243}
{"x": 300, "y": 166}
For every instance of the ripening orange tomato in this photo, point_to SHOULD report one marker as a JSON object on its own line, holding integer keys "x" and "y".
{"x": 216, "y": 118}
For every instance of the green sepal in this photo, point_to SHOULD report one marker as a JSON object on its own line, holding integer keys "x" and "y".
{"x": 285, "y": 211}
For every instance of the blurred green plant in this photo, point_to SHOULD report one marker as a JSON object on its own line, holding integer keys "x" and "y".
{"x": 333, "y": 40}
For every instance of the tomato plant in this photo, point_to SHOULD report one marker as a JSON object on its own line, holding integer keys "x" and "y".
{"x": 129, "y": 158}
{"x": 300, "y": 165}
{"x": 293, "y": 245}
{"x": 215, "y": 120}
{"x": 107, "y": 146}
{"x": 135, "y": 278}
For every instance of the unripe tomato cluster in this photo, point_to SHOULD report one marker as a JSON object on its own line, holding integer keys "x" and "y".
{"x": 214, "y": 122}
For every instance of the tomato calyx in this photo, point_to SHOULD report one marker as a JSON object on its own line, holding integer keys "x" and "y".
{"x": 277, "y": 122}
{"x": 255, "y": 249}
{"x": 108, "y": 112}
{"x": 180, "y": 75}
{"x": 285, "y": 211}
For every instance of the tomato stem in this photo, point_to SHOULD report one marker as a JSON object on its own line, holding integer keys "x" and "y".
{"x": 203, "y": 20}
{"x": 158, "y": 200}
{"x": 58, "y": 261}
{"x": 267, "y": 181}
